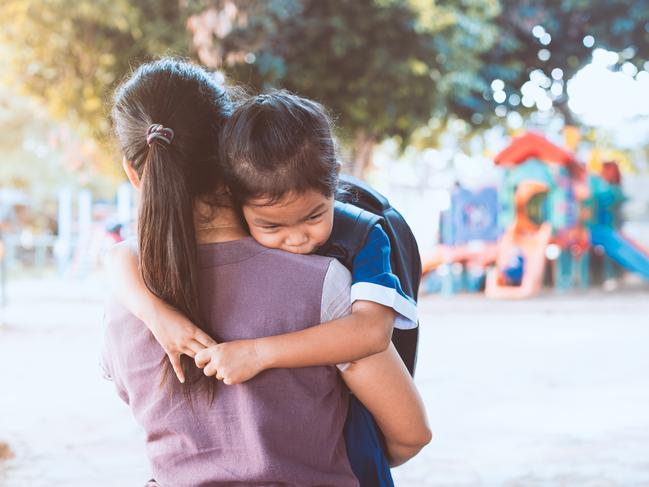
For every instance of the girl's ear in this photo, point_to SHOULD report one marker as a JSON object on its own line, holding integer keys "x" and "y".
{"x": 131, "y": 173}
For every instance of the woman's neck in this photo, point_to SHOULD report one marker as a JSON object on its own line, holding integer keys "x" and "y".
{"x": 215, "y": 224}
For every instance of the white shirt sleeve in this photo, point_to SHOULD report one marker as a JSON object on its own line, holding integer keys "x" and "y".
{"x": 336, "y": 296}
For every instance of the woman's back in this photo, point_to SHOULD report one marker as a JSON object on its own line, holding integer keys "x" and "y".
{"x": 284, "y": 427}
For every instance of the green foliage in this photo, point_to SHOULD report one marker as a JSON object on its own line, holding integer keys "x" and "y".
{"x": 40, "y": 155}
{"x": 382, "y": 67}
{"x": 617, "y": 25}
{"x": 71, "y": 53}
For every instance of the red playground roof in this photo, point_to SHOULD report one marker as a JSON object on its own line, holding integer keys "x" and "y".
{"x": 535, "y": 146}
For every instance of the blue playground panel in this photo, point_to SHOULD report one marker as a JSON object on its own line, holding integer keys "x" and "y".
{"x": 473, "y": 216}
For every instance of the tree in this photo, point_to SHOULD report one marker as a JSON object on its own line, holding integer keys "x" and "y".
{"x": 39, "y": 154}
{"x": 70, "y": 54}
{"x": 382, "y": 67}
{"x": 554, "y": 40}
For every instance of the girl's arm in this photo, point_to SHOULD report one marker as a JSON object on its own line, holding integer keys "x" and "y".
{"x": 364, "y": 332}
{"x": 382, "y": 383}
{"x": 348, "y": 332}
{"x": 175, "y": 333}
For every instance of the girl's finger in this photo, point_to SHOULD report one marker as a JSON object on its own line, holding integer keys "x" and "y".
{"x": 209, "y": 370}
{"x": 202, "y": 358}
{"x": 177, "y": 366}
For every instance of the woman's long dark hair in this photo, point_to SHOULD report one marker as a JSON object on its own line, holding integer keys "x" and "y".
{"x": 186, "y": 99}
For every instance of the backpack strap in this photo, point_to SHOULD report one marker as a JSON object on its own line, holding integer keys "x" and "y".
{"x": 352, "y": 225}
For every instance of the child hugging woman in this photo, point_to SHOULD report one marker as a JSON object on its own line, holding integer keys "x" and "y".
{"x": 281, "y": 170}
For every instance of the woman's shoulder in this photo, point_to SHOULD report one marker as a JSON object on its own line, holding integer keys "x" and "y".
{"x": 302, "y": 261}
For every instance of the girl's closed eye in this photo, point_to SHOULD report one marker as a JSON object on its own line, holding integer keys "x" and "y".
{"x": 316, "y": 217}
{"x": 269, "y": 228}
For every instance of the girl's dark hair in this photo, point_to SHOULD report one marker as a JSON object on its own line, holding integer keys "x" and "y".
{"x": 278, "y": 143}
{"x": 189, "y": 101}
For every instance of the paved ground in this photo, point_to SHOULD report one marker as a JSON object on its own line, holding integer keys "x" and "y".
{"x": 549, "y": 392}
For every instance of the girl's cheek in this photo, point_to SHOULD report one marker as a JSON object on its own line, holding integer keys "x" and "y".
{"x": 267, "y": 240}
{"x": 328, "y": 227}
{"x": 258, "y": 236}
{"x": 325, "y": 232}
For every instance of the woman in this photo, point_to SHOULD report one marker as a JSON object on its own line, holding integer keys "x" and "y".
{"x": 285, "y": 426}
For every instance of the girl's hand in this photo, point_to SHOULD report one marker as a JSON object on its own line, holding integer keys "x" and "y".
{"x": 232, "y": 362}
{"x": 177, "y": 335}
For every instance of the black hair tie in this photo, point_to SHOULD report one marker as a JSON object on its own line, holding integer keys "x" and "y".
{"x": 160, "y": 133}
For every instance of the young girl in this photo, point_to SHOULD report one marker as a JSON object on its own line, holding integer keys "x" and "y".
{"x": 282, "y": 167}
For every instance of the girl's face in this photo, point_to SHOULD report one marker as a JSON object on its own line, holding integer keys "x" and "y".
{"x": 298, "y": 223}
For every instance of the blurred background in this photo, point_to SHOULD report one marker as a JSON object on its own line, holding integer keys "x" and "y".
{"x": 512, "y": 135}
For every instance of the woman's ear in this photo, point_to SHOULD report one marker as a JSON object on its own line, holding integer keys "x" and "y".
{"x": 131, "y": 173}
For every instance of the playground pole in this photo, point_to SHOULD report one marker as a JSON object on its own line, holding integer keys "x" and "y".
{"x": 64, "y": 240}
{"x": 85, "y": 213}
{"x": 84, "y": 222}
{"x": 3, "y": 280}
{"x": 3, "y": 274}
{"x": 583, "y": 263}
{"x": 563, "y": 276}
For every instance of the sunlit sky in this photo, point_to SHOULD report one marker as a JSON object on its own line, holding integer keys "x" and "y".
{"x": 615, "y": 100}
{"x": 606, "y": 98}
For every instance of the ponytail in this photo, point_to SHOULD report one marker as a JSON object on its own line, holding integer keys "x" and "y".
{"x": 167, "y": 119}
{"x": 168, "y": 248}
{"x": 166, "y": 234}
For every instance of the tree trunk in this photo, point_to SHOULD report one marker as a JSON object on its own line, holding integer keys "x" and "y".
{"x": 568, "y": 117}
{"x": 363, "y": 151}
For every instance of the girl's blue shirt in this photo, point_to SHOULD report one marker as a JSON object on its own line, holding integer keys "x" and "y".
{"x": 373, "y": 280}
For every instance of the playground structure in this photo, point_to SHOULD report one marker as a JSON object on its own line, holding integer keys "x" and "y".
{"x": 520, "y": 259}
{"x": 469, "y": 242}
{"x": 549, "y": 222}
{"x": 605, "y": 223}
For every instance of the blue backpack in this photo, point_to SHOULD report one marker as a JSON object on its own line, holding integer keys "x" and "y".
{"x": 357, "y": 209}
